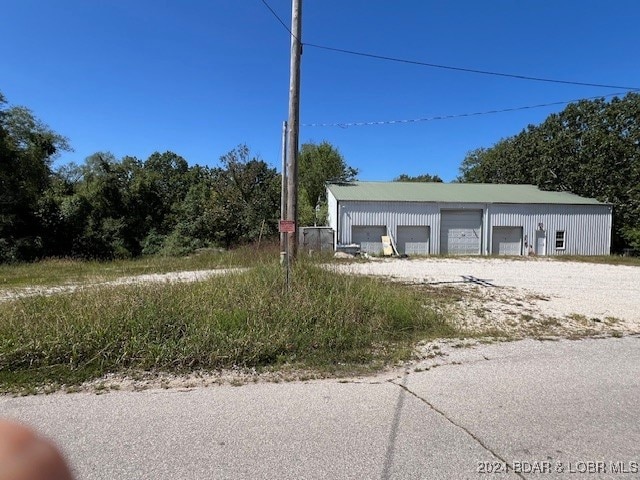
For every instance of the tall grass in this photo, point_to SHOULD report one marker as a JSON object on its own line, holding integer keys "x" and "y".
{"x": 245, "y": 319}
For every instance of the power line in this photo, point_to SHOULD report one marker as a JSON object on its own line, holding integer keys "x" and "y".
{"x": 468, "y": 70}
{"x": 444, "y": 67}
{"x": 448, "y": 117}
{"x": 280, "y": 20}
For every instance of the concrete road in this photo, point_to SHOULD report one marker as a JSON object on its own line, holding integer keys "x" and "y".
{"x": 519, "y": 410}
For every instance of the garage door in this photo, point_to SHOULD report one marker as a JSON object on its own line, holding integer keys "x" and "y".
{"x": 461, "y": 232}
{"x": 369, "y": 238}
{"x": 506, "y": 241}
{"x": 413, "y": 240}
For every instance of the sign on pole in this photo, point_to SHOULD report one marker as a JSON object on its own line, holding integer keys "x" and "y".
{"x": 287, "y": 226}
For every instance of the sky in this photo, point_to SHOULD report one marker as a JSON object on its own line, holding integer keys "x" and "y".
{"x": 200, "y": 77}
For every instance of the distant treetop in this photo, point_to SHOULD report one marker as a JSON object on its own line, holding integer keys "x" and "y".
{"x": 418, "y": 178}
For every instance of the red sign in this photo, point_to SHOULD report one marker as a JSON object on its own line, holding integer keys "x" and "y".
{"x": 287, "y": 226}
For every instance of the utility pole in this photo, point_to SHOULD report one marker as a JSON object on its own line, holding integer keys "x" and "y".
{"x": 283, "y": 191}
{"x": 294, "y": 126}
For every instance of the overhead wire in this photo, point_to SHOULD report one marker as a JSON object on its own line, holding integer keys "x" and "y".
{"x": 459, "y": 115}
{"x": 280, "y": 20}
{"x": 453, "y": 68}
{"x": 469, "y": 70}
{"x": 445, "y": 67}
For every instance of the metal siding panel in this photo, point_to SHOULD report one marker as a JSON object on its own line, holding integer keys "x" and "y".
{"x": 332, "y": 217}
{"x": 587, "y": 227}
{"x": 318, "y": 239}
{"x": 390, "y": 214}
{"x": 589, "y": 234}
{"x": 332, "y": 206}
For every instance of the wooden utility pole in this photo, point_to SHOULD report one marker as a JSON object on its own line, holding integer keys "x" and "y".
{"x": 294, "y": 126}
{"x": 283, "y": 190}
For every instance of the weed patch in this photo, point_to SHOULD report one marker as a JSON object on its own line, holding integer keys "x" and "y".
{"x": 327, "y": 322}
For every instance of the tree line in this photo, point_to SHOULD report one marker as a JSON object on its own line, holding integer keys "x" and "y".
{"x": 591, "y": 148}
{"x": 118, "y": 208}
{"x": 108, "y": 207}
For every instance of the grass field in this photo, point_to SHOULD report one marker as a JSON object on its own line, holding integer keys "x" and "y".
{"x": 327, "y": 322}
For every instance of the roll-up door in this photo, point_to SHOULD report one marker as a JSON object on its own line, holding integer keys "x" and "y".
{"x": 506, "y": 241}
{"x": 461, "y": 232}
{"x": 369, "y": 237}
{"x": 413, "y": 240}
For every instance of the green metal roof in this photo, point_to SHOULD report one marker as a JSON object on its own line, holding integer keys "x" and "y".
{"x": 452, "y": 192}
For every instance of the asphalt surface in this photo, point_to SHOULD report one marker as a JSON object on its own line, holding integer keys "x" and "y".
{"x": 562, "y": 409}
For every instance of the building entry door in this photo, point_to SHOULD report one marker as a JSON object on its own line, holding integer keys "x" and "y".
{"x": 541, "y": 242}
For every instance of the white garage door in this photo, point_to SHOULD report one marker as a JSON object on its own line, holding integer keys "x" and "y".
{"x": 413, "y": 240}
{"x": 461, "y": 232}
{"x": 506, "y": 241}
{"x": 369, "y": 238}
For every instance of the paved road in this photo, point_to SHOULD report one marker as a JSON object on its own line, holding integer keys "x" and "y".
{"x": 572, "y": 402}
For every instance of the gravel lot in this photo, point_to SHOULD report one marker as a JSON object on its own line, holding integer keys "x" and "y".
{"x": 526, "y": 296}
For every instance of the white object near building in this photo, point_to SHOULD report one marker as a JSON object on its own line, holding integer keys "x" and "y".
{"x": 468, "y": 219}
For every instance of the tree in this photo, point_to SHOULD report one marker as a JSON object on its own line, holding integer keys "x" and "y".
{"x": 591, "y": 148}
{"x": 245, "y": 199}
{"x": 164, "y": 183}
{"x": 418, "y": 178}
{"x": 27, "y": 149}
{"x": 319, "y": 164}
{"x": 97, "y": 214}
{"x": 123, "y": 208}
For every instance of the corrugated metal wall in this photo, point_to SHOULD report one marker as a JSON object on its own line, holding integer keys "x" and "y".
{"x": 390, "y": 214}
{"x": 587, "y": 227}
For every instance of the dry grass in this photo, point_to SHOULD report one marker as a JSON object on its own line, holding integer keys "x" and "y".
{"x": 326, "y": 322}
{"x": 64, "y": 271}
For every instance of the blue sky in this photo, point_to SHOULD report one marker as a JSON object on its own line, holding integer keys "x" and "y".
{"x": 199, "y": 77}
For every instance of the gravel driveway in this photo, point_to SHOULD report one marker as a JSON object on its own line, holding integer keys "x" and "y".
{"x": 171, "y": 277}
{"x": 521, "y": 294}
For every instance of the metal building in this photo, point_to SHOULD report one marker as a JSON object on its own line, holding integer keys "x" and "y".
{"x": 468, "y": 219}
